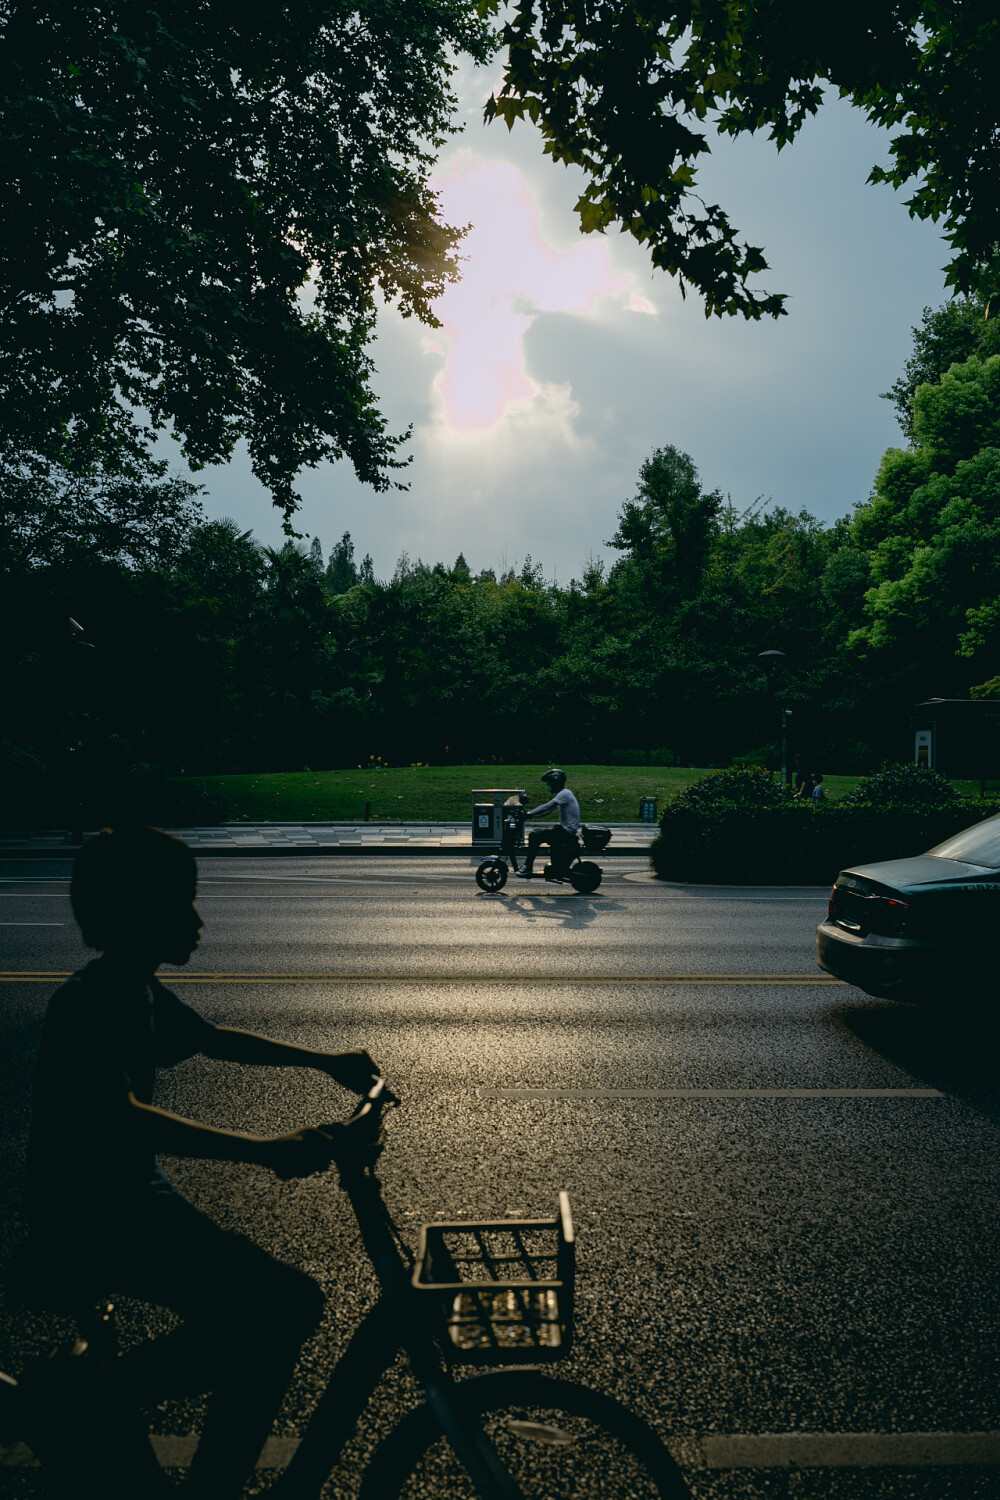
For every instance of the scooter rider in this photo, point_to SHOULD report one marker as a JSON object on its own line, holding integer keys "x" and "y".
{"x": 563, "y": 833}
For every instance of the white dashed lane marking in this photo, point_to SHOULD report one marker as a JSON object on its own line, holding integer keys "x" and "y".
{"x": 862, "y": 1450}
{"x": 721, "y": 1093}
{"x": 783, "y": 1450}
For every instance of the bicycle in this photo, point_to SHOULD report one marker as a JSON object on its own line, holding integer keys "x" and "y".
{"x": 473, "y": 1295}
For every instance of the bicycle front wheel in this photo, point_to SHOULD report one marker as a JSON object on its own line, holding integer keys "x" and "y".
{"x": 558, "y": 1441}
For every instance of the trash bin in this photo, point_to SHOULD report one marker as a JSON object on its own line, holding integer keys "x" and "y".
{"x": 487, "y": 813}
{"x": 482, "y": 821}
{"x": 647, "y": 809}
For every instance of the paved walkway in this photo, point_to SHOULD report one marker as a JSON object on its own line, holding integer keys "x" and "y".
{"x": 324, "y": 838}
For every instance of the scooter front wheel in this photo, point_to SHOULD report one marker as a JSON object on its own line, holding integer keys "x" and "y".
{"x": 492, "y": 875}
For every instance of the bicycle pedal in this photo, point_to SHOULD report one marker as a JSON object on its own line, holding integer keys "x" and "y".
{"x": 540, "y": 1432}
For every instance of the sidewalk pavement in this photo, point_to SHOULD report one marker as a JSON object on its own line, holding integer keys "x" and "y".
{"x": 322, "y": 838}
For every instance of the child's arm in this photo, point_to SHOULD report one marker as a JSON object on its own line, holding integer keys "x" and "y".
{"x": 295, "y": 1154}
{"x": 355, "y": 1070}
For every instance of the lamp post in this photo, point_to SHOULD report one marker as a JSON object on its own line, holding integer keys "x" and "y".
{"x": 76, "y": 748}
{"x": 769, "y": 660}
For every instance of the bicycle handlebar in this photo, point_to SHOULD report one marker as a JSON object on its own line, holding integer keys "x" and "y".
{"x": 356, "y": 1143}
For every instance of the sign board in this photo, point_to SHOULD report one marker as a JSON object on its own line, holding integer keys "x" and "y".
{"x": 923, "y": 748}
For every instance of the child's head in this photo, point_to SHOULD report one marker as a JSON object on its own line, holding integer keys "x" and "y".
{"x": 133, "y": 889}
{"x": 817, "y": 778}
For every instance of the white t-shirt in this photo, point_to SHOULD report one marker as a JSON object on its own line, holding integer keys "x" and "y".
{"x": 569, "y": 810}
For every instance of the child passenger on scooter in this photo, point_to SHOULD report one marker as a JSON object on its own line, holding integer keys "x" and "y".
{"x": 103, "y": 1214}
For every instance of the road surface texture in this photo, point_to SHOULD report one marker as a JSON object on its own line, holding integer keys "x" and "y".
{"x": 786, "y": 1193}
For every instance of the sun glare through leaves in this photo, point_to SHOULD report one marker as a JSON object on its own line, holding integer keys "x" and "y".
{"x": 510, "y": 274}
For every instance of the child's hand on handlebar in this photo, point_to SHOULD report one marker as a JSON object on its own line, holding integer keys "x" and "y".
{"x": 355, "y": 1070}
{"x": 300, "y": 1153}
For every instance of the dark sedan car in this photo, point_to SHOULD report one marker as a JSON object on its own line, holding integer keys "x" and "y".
{"x": 905, "y": 927}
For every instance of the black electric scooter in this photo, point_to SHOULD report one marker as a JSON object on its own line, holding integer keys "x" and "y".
{"x": 567, "y": 862}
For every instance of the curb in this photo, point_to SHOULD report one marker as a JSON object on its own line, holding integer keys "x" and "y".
{"x": 277, "y": 851}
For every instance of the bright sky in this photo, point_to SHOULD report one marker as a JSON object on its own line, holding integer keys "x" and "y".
{"x": 511, "y": 273}
{"x": 563, "y": 360}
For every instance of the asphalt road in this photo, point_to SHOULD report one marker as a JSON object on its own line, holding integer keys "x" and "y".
{"x": 786, "y": 1193}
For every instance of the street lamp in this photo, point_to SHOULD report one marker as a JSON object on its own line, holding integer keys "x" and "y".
{"x": 769, "y": 660}
{"x": 76, "y": 749}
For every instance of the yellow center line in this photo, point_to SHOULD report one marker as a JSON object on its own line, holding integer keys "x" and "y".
{"x": 39, "y": 976}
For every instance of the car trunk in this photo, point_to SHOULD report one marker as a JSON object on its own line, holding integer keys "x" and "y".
{"x": 908, "y": 897}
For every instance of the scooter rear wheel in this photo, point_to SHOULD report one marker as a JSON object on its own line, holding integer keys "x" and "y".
{"x": 492, "y": 875}
{"x": 585, "y": 876}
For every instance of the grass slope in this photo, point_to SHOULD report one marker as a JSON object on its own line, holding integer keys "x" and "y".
{"x": 608, "y": 794}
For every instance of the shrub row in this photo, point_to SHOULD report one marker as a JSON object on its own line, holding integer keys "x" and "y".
{"x": 795, "y": 844}
{"x": 139, "y": 795}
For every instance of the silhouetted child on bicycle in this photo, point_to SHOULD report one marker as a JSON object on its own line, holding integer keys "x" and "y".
{"x": 103, "y": 1214}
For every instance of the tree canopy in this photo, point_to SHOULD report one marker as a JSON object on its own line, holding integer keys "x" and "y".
{"x": 198, "y": 205}
{"x": 201, "y": 202}
{"x": 945, "y": 336}
{"x": 623, "y": 90}
{"x": 932, "y": 527}
{"x": 138, "y": 514}
{"x": 213, "y": 652}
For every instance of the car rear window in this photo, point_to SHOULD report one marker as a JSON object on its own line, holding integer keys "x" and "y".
{"x": 977, "y": 846}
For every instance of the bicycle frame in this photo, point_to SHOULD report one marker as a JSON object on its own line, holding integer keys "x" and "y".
{"x": 397, "y": 1321}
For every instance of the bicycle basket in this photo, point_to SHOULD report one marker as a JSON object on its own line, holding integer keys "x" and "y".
{"x": 505, "y": 1286}
{"x": 595, "y": 839}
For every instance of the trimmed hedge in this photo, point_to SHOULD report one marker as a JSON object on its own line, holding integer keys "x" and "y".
{"x": 173, "y": 803}
{"x": 796, "y": 844}
{"x": 901, "y": 784}
{"x": 44, "y": 801}
{"x": 744, "y": 786}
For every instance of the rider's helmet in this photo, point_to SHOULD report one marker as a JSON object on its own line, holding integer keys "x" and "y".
{"x": 555, "y": 780}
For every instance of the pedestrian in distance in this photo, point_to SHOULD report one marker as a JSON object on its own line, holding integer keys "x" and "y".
{"x": 103, "y": 1216}
{"x": 802, "y": 780}
{"x": 817, "y": 795}
{"x": 563, "y": 834}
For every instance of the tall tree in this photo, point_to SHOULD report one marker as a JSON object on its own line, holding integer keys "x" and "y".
{"x": 945, "y": 336}
{"x": 137, "y": 514}
{"x": 226, "y": 565}
{"x": 341, "y": 574}
{"x": 621, "y": 89}
{"x": 932, "y": 527}
{"x": 670, "y": 524}
{"x": 198, "y": 203}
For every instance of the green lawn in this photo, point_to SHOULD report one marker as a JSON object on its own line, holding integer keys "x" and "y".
{"x": 443, "y": 793}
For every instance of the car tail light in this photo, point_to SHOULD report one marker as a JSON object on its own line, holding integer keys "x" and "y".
{"x": 860, "y": 909}
{"x": 890, "y": 915}
{"x": 831, "y": 903}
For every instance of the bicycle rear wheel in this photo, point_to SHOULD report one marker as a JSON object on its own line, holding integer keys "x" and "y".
{"x": 557, "y": 1440}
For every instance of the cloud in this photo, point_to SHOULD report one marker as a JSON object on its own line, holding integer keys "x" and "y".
{"x": 565, "y": 360}
{"x": 509, "y": 274}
